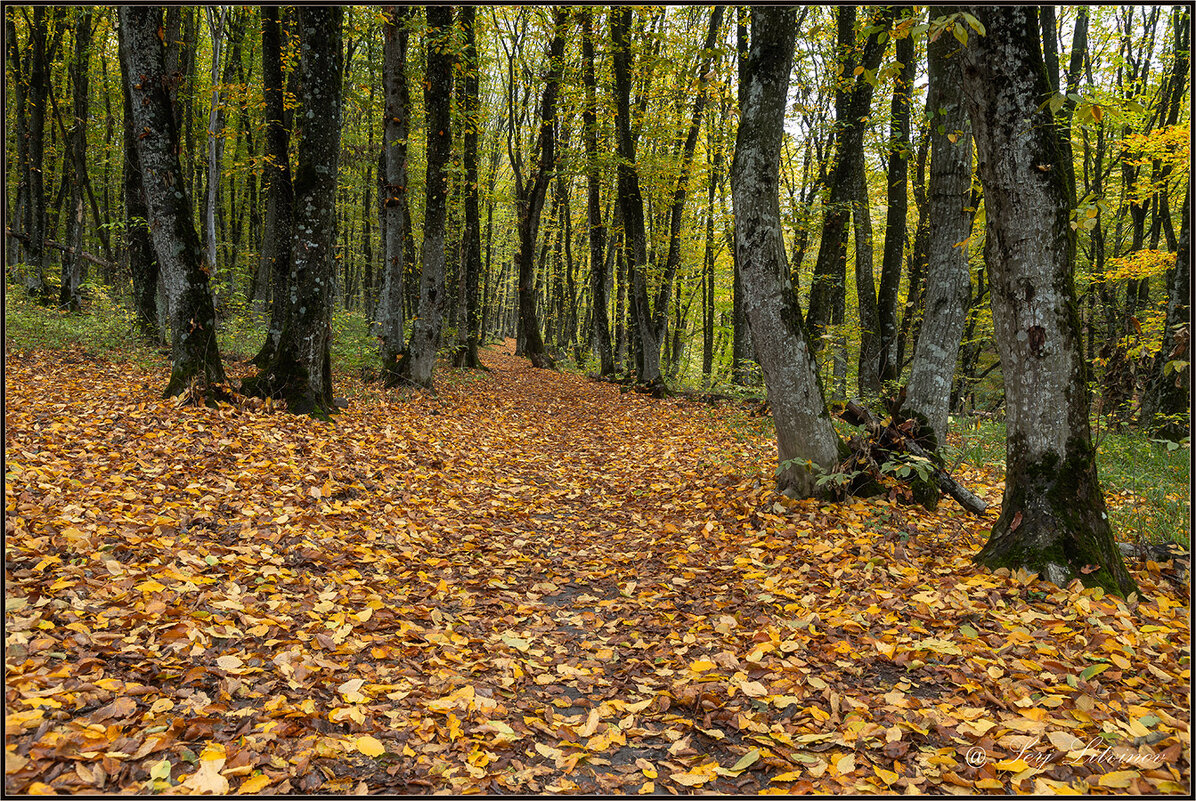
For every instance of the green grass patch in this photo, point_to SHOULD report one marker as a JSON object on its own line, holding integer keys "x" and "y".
{"x": 1147, "y": 483}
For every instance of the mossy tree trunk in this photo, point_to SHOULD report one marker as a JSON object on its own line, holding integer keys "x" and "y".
{"x": 806, "y": 439}
{"x": 194, "y": 353}
{"x": 948, "y": 281}
{"x": 143, "y": 262}
{"x": 397, "y": 100}
{"x": 300, "y": 369}
{"x": 415, "y": 366}
{"x": 1053, "y": 520}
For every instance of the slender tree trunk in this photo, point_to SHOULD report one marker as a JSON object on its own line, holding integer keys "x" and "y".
{"x": 898, "y": 209}
{"x": 708, "y": 258}
{"x": 633, "y": 205}
{"x": 76, "y": 154}
{"x": 395, "y": 210}
{"x": 911, "y": 315}
{"x": 1167, "y": 400}
{"x": 742, "y": 349}
{"x": 471, "y": 246}
{"x": 868, "y": 375}
{"x": 216, "y": 16}
{"x": 300, "y": 370}
{"x": 276, "y": 239}
{"x": 948, "y": 281}
{"x": 1053, "y": 519}
{"x": 600, "y": 326}
{"x": 417, "y": 363}
{"x": 19, "y": 212}
{"x": 829, "y": 283}
{"x": 39, "y": 86}
{"x": 530, "y": 196}
{"x": 805, "y": 438}
{"x": 194, "y": 352}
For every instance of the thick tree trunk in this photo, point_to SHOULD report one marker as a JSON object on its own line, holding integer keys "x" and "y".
{"x": 743, "y": 350}
{"x": 300, "y": 371}
{"x": 1053, "y": 519}
{"x": 469, "y": 331}
{"x": 20, "y": 208}
{"x": 868, "y": 375}
{"x": 216, "y": 17}
{"x": 143, "y": 261}
{"x": 911, "y": 315}
{"x": 898, "y": 208}
{"x": 396, "y": 128}
{"x": 276, "y": 238}
{"x": 417, "y": 363}
{"x": 76, "y": 144}
{"x": 806, "y": 440}
{"x": 1167, "y": 400}
{"x": 600, "y": 322}
{"x": 948, "y": 281}
{"x": 194, "y": 352}
{"x": 631, "y": 199}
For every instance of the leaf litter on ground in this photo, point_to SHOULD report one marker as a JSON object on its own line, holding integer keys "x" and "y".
{"x": 529, "y": 582}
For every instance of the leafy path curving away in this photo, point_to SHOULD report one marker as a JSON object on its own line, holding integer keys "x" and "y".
{"x": 530, "y": 582}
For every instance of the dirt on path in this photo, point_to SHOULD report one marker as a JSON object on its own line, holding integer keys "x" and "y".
{"x": 526, "y": 582}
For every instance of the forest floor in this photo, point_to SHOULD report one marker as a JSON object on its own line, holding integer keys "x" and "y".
{"x": 530, "y": 582}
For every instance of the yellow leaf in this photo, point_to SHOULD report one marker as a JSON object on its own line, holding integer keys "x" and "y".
{"x": 753, "y": 689}
{"x": 370, "y": 746}
{"x": 701, "y": 665}
{"x": 845, "y": 765}
{"x": 1118, "y": 778}
{"x": 254, "y": 784}
{"x": 990, "y": 784}
{"x": 1064, "y": 741}
{"x": 746, "y": 761}
{"x": 886, "y": 776}
{"x": 791, "y": 776}
{"x": 151, "y": 586}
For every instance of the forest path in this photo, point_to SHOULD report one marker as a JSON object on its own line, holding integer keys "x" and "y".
{"x": 525, "y": 582}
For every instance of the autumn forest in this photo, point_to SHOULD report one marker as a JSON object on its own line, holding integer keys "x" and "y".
{"x": 597, "y": 399}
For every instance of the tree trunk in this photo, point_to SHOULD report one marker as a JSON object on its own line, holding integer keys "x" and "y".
{"x": 276, "y": 238}
{"x": 39, "y": 86}
{"x": 1053, "y": 520}
{"x": 20, "y": 210}
{"x": 1167, "y": 400}
{"x": 868, "y": 375}
{"x": 948, "y": 281}
{"x": 805, "y": 438}
{"x": 194, "y": 352}
{"x": 416, "y": 365}
{"x": 76, "y": 153}
{"x": 530, "y": 194}
{"x": 632, "y": 202}
{"x": 143, "y": 261}
{"x": 829, "y": 282}
{"x": 300, "y": 371}
{"x": 600, "y": 322}
{"x": 216, "y": 17}
{"x": 898, "y": 208}
{"x": 471, "y": 247}
{"x": 395, "y": 209}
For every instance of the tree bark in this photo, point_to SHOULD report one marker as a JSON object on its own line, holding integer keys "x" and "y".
{"x": 948, "y": 281}
{"x": 530, "y": 194}
{"x": 1053, "y": 519}
{"x": 829, "y": 282}
{"x": 471, "y": 247}
{"x": 631, "y": 199}
{"x": 395, "y": 210}
{"x": 600, "y": 323}
{"x": 299, "y": 371}
{"x": 194, "y": 351}
{"x": 76, "y": 153}
{"x": 38, "y": 89}
{"x": 276, "y": 238}
{"x": 416, "y": 365}
{"x": 806, "y": 440}
{"x": 216, "y": 17}
{"x": 898, "y": 208}
{"x": 1167, "y": 400}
